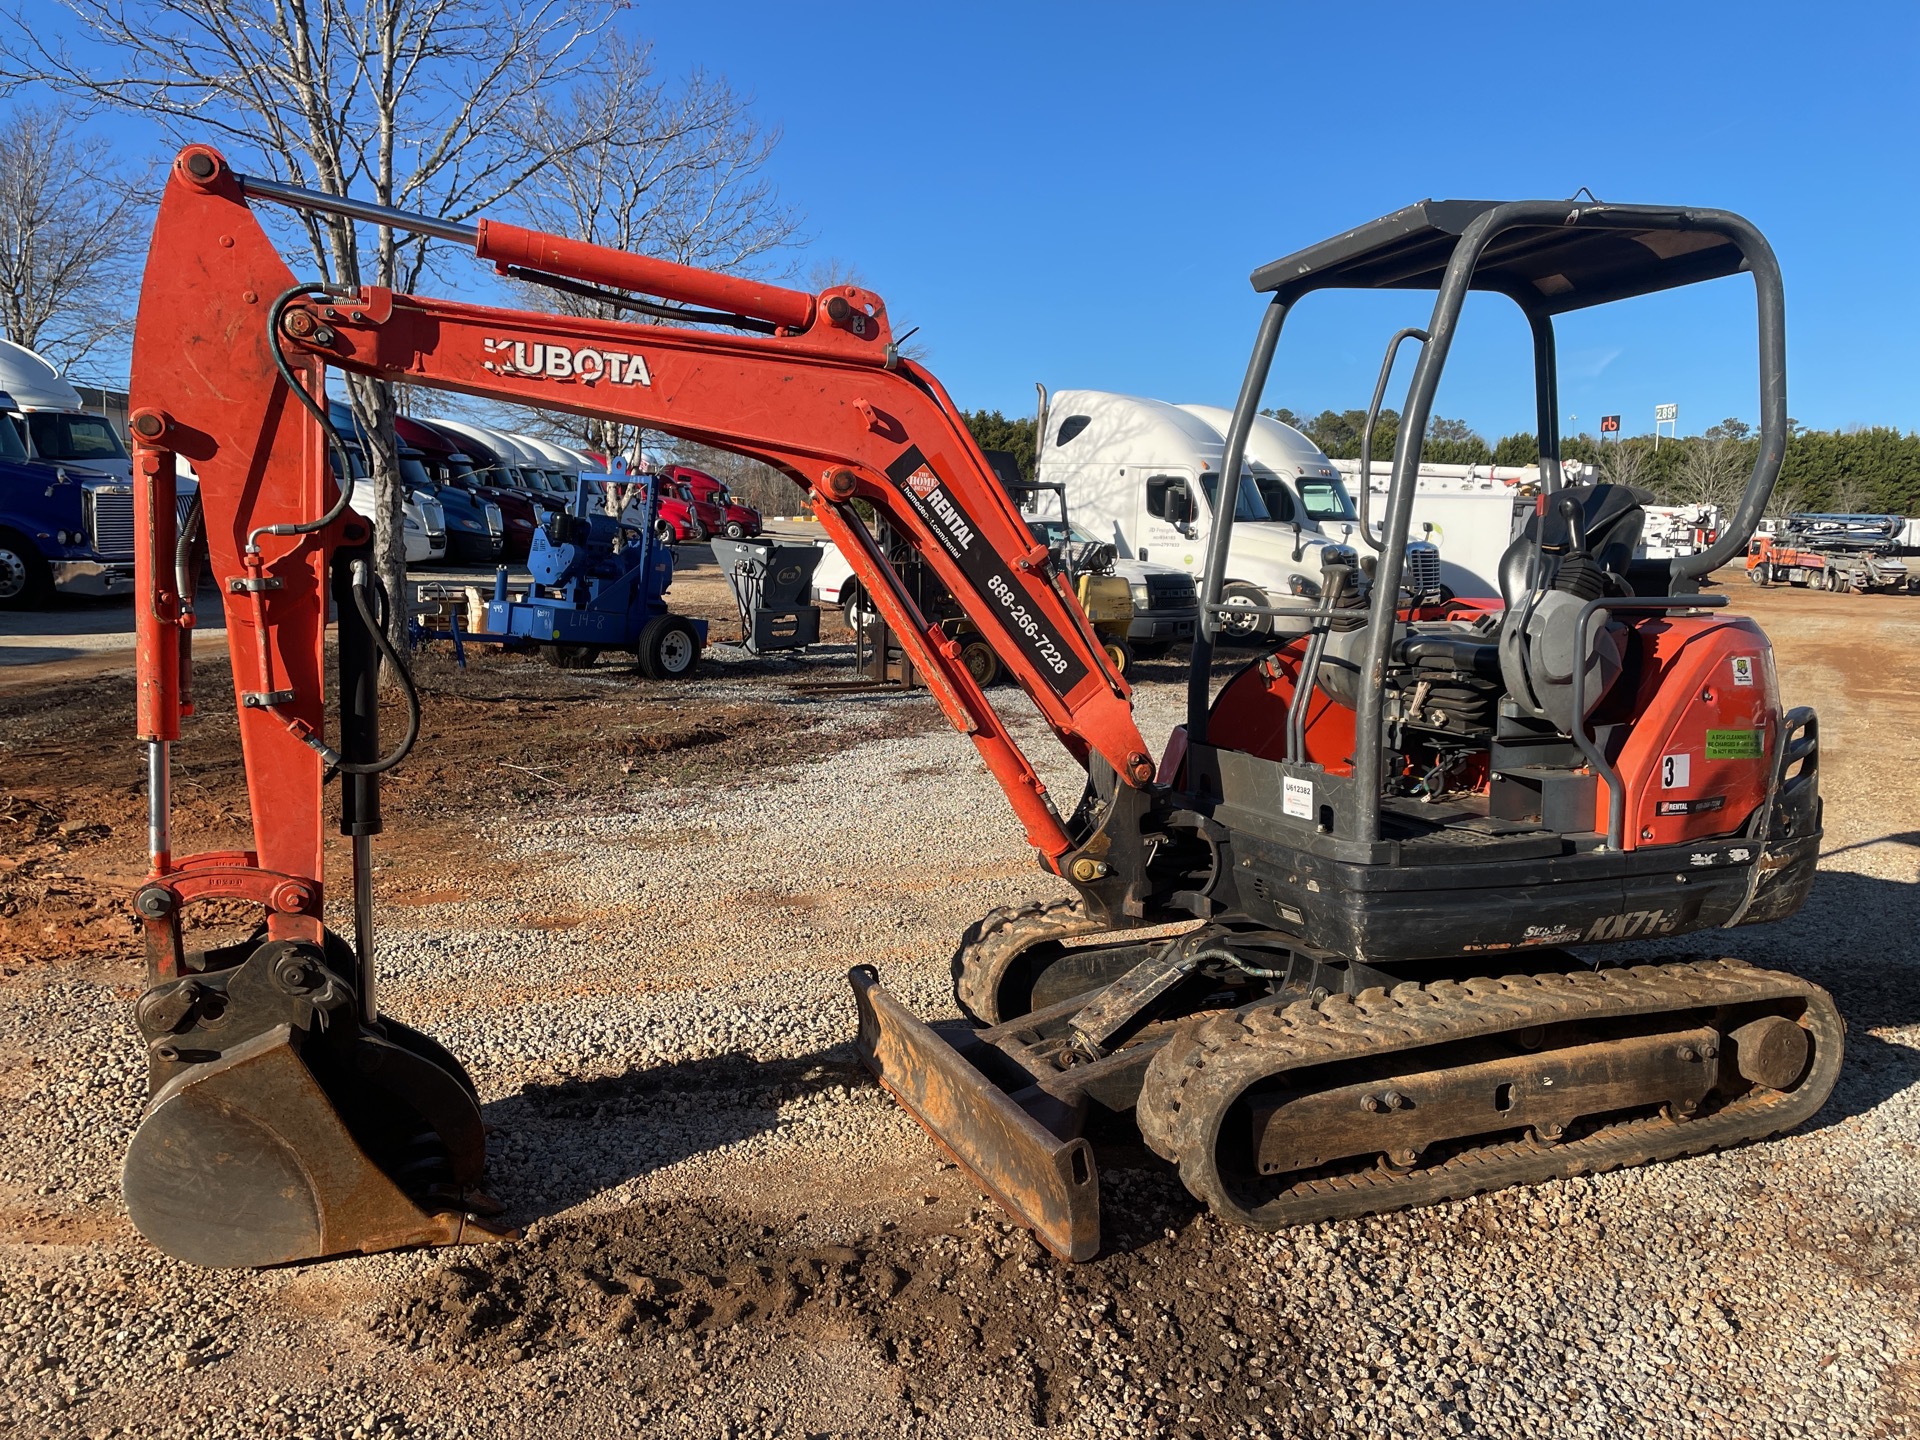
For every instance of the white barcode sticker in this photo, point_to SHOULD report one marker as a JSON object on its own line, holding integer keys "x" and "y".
{"x": 1296, "y": 798}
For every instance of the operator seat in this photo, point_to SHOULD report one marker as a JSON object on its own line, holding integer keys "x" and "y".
{"x": 1575, "y": 550}
{"x": 1609, "y": 519}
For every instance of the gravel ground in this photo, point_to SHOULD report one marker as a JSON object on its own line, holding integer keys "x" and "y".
{"x": 731, "y": 1232}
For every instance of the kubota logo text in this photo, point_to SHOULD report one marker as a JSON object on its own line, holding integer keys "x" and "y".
{"x": 562, "y": 362}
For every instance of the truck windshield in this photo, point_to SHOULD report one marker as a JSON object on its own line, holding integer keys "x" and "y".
{"x": 414, "y": 474}
{"x": 1051, "y": 532}
{"x": 1327, "y": 500}
{"x": 67, "y": 435}
{"x": 1249, "y": 505}
{"x": 353, "y": 458}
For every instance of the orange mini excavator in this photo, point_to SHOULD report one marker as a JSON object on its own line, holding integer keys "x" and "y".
{"x": 1366, "y": 862}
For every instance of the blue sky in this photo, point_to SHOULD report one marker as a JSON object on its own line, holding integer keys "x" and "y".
{"x": 1076, "y": 193}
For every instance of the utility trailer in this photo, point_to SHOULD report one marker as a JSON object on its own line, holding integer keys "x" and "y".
{"x": 1831, "y": 552}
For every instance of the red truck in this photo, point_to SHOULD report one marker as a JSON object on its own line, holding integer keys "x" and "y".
{"x": 681, "y": 520}
{"x": 708, "y": 520}
{"x": 728, "y": 516}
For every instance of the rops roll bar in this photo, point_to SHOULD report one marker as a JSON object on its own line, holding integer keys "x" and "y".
{"x": 1549, "y": 257}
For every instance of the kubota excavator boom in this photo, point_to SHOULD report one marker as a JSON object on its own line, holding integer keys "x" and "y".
{"x": 255, "y": 1051}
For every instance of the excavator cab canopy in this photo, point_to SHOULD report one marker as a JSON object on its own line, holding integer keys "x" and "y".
{"x": 1558, "y": 262}
{"x": 1551, "y": 257}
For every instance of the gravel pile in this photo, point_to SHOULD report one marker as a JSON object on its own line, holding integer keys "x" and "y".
{"x": 731, "y": 1231}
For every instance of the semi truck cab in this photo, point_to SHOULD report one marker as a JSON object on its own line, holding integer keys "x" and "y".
{"x": 1144, "y": 476}
{"x": 64, "y": 529}
{"x": 66, "y": 489}
{"x": 49, "y": 420}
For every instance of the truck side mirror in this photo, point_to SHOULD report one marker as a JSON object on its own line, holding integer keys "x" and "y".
{"x": 1180, "y": 506}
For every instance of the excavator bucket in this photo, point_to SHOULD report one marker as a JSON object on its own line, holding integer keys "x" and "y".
{"x": 280, "y": 1132}
{"x": 1021, "y": 1145}
{"x": 246, "y": 1161}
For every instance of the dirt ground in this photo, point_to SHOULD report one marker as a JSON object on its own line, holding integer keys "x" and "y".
{"x": 732, "y": 1232}
{"x": 72, "y": 791}
{"x": 506, "y": 731}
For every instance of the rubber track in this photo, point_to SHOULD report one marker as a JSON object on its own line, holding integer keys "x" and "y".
{"x": 993, "y": 942}
{"x": 1194, "y": 1080}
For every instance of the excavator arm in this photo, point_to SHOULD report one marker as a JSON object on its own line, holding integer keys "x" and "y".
{"x": 290, "y": 1119}
{"x": 815, "y": 388}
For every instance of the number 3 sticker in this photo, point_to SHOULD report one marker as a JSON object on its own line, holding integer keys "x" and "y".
{"x": 1674, "y": 772}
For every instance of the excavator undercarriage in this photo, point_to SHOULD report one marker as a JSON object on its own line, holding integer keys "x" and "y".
{"x": 1332, "y": 954}
{"x": 1285, "y": 1102}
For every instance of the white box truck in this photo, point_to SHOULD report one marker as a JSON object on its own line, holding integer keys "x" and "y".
{"x": 1469, "y": 512}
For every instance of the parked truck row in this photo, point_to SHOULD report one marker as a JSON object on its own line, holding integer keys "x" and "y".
{"x": 1142, "y": 476}
{"x": 1138, "y": 477}
{"x": 472, "y": 495}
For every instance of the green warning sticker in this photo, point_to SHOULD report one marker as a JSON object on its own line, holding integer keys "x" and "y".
{"x": 1733, "y": 744}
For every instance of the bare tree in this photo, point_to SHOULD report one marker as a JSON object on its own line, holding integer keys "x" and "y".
{"x": 408, "y": 103}
{"x": 1712, "y": 472}
{"x": 1849, "y": 494}
{"x": 69, "y": 235}
{"x": 1787, "y": 499}
{"x": 673, "y": 170}
{"x": 1624, "y": 462}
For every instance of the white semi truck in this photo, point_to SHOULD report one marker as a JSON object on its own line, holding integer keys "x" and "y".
{"x": 1145, "y": 475}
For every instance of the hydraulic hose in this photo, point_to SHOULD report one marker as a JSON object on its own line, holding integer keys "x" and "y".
{"x": 183, "y": 578}
{"x": 362, "y": 576}
{"x": 314, "y": 408}
{"x": 363, "y": 588}
{"x": 1214, "y": 952}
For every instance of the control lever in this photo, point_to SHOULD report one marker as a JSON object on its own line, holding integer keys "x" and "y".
{"x": 1576, "y": 517}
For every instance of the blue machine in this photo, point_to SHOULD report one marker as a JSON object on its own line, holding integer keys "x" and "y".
{"x": 600, "y": 582}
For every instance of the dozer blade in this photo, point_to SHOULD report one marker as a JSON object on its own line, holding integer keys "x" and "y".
{"x": 245, "y": 1161}
{"x": 970, "y": 1098}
